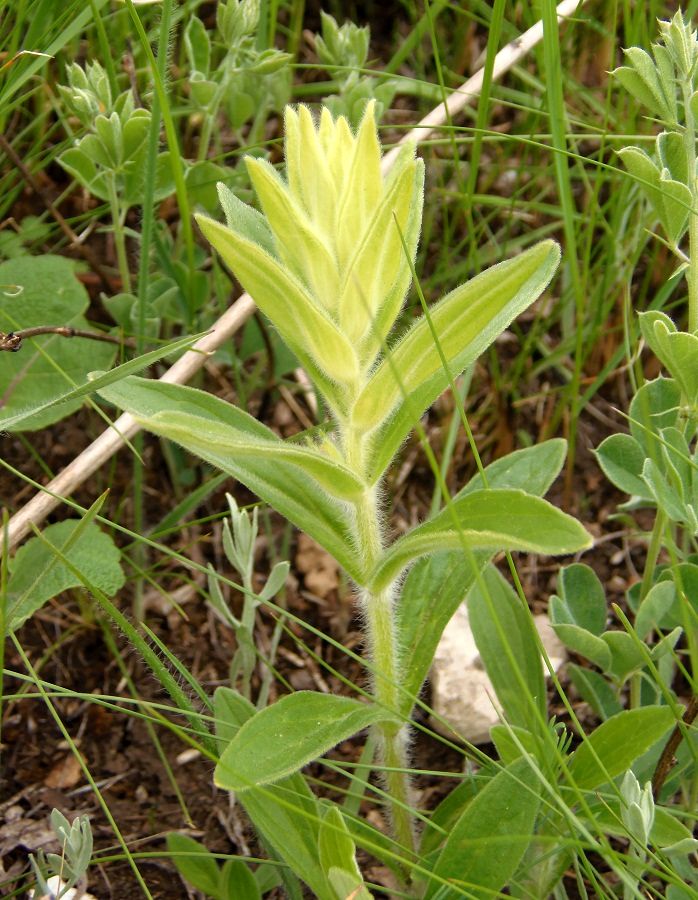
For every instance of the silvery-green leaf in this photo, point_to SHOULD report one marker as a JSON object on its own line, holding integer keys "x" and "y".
{"x": 677, "y": 203}
{"x": 677, "y": 350}
{"x": 626, "y": 655}
{"x": 664, "y": 495}
{"x": 621, "y": 458}
{"x": 583, "y": 595}
{"x": 641, "y": 80}
{"x": 198, "y": 45}
{"x": 671, "y": 149}
{"x": 578, "y": 639}
{"x": 655, "y": 406}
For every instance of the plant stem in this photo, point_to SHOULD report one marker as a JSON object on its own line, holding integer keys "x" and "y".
{"x": 692, "y": 270}
{"x": 119, "y": 237}
{"x": 655, "y": 545}
{"x": 382, "y": 644}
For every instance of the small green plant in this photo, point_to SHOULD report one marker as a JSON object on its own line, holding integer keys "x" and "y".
{"x": 231, "y": 73}
{"x": 64, "y": 870}
{"x": 657, "y": 462}
{"x": 109, "y": 159}
{"x": 343, "y": 50}
{"x": 239, "y": 536}
{"x": 330, "y": 261}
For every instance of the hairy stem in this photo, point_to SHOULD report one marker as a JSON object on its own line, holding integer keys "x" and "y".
{"x": 381, "y": 637}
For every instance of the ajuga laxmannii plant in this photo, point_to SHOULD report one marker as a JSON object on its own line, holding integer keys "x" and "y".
{"x": 329, "y": 260}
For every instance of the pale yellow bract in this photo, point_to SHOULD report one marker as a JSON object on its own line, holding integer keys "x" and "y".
{"x": 338, "y": 227}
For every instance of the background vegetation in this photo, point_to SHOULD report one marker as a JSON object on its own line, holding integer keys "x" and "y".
{"x": 116, "y": 122}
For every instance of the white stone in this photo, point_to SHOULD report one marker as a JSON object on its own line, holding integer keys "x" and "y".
{"x": 56, "y": 885}
{"x": 462, "y": 694}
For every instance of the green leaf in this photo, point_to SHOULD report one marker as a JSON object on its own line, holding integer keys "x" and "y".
{"x": 594, "y": 688}
{"x": 466, "y": 321}
{"x": 283, "y": 484}
{"x": 532, "y": 469}
{"x": 626, "y": 655}
{"x": 436, "y": 585}
{"x": 214, "y": 440}
{"x": 484, "y": 847}
{"x": 196, "y": 864}
{"x": 655, "y": 406}
{"x": 664, "y": 494}
{"x": 283, "y": 738}
{"x": 449, "y": 811}
{"x": 231, "y": 710}
{"x": 506, "y": 639}
{"x": 198, "y": 45}
{"x": 612, "y": 748}
{"x": 495, "y": 519}
{"x": 244, "y": 219}
{"x": 671, "y": 149}
{"x": 640, "y": 79}
{"x": 579, "y": 639}
{"x": 434, "y": 588}
{"x": 286, "y": 814}
{"x": 659, "y": 609}
{"x": 345, "y": 885}
{"x": 36, "y": 575}
{"x": 338, "y": 856}
{"x": 97, "y": 381}
{"x": 677, "y": 350}
{"x": 44, "y": 291}
{"x": 584, "y": 597}
{"x": 236, "y": 880}
{"x": 512, "y": 742}
{"x": 621, "y": 458}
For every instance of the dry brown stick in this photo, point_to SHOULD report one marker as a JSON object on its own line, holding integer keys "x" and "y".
{"x": 85, "y": 251}
{"x": 666, "y": 760}
{"x": 12, "y": 340}
{"x": 84, "y": 465}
